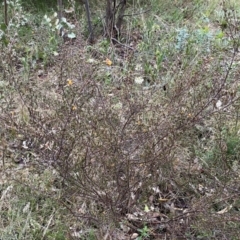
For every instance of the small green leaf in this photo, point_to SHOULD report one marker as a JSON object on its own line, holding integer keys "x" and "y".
{"x": 3, "y": 27}
{"x": 71, "y": 35}
{"x": 146, "y": 208}
{"x": 4, "y": 39}
{"x": 220, "y": 35}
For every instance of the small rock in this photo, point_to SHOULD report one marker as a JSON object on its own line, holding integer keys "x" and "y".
{"x": 134, "y": 236}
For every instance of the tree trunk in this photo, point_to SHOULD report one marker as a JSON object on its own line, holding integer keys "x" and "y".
{"x": 114, "y": 17}
{"x": 90, "y": 30}
{"x": 60, "y": 10}
{"x": 5, "y": 12}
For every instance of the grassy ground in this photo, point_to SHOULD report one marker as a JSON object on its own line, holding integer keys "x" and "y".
{"x": 133, "y": 140}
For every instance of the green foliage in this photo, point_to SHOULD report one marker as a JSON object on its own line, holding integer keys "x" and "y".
{"x": 28, "y": 29}
{"x": 224, "y": 154}
{"x": 200, "y": 40}
{"x": 29, "y": 215}
{"x": 144, "y": 233}
{"x": 42, "y": 6}
{"x": 91, "y": 235}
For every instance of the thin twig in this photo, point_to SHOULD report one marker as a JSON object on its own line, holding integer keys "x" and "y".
{"x": 135, "y": 14}
{"x": 124, "y": 45}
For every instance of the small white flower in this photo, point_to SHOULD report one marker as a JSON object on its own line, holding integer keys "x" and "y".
{"x": 56, "y": 22}
{"x": 91, "y": 60}
{"x": 219, "y": 104}
{"x": 138, "y": 80}
{"x": 138, "y": 67}
{"x": 24, "y": 145}
{"x": 55, "y": 53}
{"x": 26, "y": 208}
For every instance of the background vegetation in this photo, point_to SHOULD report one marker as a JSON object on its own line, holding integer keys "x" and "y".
{"x": 134, "y": 136}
